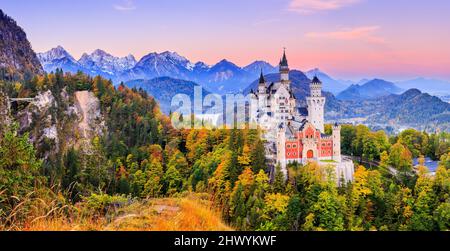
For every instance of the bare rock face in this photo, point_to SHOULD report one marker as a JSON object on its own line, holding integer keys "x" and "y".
{"x": 57, "y": 122}
{"x": 38, "y": 119}
{"x": 91, "y": 122}
{"x": 5, "y": 118}
{"x": 17, "y": 58}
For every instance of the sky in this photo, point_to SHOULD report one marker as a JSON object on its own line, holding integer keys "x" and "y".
{"x": 348, "y": 39}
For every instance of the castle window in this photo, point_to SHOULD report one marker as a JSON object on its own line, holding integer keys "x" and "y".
{"x": 294, "y": 146}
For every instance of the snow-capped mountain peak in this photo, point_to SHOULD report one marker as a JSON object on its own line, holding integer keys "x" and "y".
{"x": 103, "y": 61}
{"x": 161, "y": 62}
{"x": 174, "y": 56}
{"x": 54, "y": 54}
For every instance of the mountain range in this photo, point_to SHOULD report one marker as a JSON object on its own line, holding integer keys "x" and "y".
{"x": 223, "y": 77}
{"x": 98, "y": 62}
{"x": 399, "y": 111}
{"x": 372, "y": 89}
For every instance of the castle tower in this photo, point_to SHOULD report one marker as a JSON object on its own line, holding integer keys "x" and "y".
{"x": 284, "y": 70}
{"x": 281, "y": 148}
{"x": 262, "y": 93}
{"x": 336, "y": 142}
{"x": 316, "y": 105}
{"x": 262, "y": 84}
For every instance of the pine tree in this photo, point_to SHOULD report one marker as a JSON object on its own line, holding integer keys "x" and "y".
{"x": 258, "y": 157}
{"x": 279, "y": 182}
{"x": 238, "y": 208}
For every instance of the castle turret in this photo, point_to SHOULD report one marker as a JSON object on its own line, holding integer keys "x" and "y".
{"x": 284, "y": 70}
{"x": 336, "y": 142}
{"x": 262, "y": 84}
{"x": 316, "y": 105}
{"x": 281, "y": 147}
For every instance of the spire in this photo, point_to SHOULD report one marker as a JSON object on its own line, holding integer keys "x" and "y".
{"x": 316, "y": 80}
{"x": 284, "y": 61}
{"x": 261, "y": 78}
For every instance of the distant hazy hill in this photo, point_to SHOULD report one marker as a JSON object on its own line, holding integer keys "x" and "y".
{"x": 410, "y": 109}
{"x": 329, "y": 84}
{"x": 434, "y": 86}
{"x": 254, "y": 69}
{"x": 413, "y": 107}
{"x": 163, "y": 89}
{"x": 372, "y": 89}
{"x": 17, "y": 58}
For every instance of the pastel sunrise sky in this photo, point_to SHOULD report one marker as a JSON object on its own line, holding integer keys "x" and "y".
{"x": 349, "y": 39}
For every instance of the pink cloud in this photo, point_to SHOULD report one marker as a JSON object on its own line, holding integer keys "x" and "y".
{"x": 364, "y": 33}
{"x": 312, "y": 6}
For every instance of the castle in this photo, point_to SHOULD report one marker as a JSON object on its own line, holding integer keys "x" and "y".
{"x": 297, "y": 134}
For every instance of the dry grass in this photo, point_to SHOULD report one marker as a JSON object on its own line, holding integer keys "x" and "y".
{"x": 170, "y": 214}
{"x": 189, "y": 213}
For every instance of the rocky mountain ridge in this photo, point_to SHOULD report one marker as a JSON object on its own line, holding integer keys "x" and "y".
{"x": 17, "y": 58}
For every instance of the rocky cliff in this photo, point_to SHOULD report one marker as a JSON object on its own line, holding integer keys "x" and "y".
{"x": 17, "y": 58}
{"x": 59, "y": 121}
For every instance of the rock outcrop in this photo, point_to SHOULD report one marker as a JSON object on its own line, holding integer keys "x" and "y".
{"x": 17, "y": 58}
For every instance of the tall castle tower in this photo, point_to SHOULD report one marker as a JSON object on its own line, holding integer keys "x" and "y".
{"x": 316, "y": 105}
{"x": 284, "y": 71}
{"x": 262, "y": 84}
{"x": 262, "y": 92}
{"x": 336, "y": 142}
